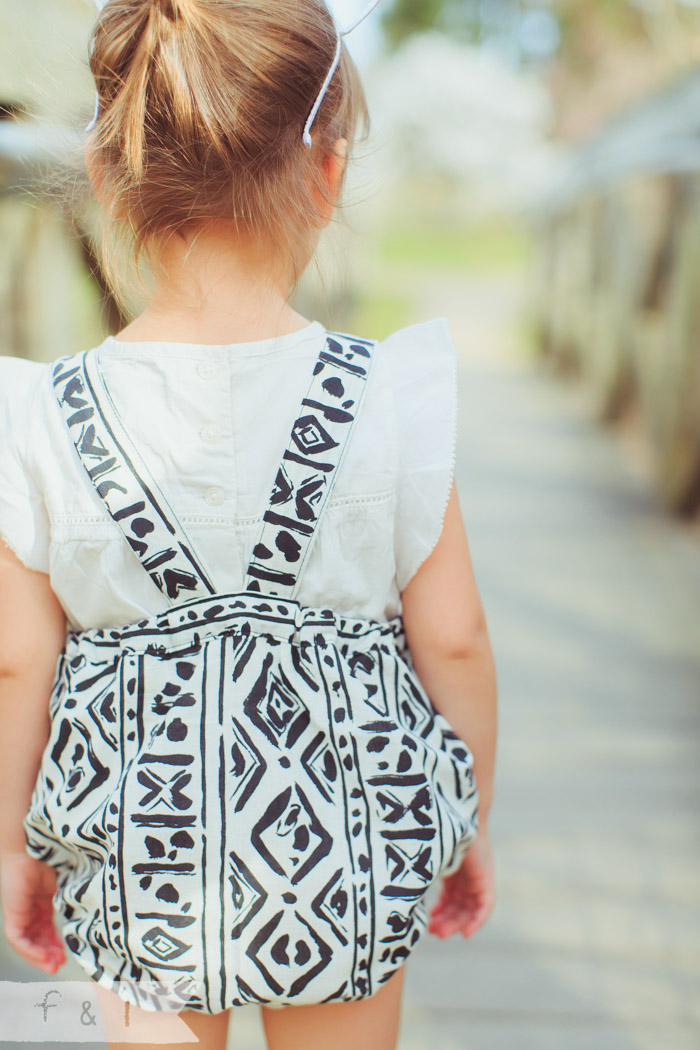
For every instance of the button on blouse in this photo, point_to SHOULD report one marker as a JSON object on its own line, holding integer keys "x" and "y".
{"x": 210, "y": 434}
{"x": 214, "y": 496}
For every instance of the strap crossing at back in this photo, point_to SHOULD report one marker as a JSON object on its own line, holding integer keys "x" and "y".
{"x": 303, "y": 480}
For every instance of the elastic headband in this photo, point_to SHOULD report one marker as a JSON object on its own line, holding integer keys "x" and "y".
{"x": 99, "y": 4}
{"x": 340, "y": 33}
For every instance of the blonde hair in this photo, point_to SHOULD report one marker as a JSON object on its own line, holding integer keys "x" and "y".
{"x": 202, "y": 106}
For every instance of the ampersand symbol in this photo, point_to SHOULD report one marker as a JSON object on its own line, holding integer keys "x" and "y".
{"x": 86, "y": 1017}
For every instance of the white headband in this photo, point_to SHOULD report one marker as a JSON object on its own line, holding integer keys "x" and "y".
{"x": 340, "y": 33}
{"x": 99, "y": 4}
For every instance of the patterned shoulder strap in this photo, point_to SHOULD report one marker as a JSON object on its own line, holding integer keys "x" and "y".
{"x": 309, "y": 466}
{"x": 123, "y": 482}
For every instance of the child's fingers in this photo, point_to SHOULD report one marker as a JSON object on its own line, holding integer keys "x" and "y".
{"x": 450, "y": 901}
{"x": 453, "y": 915}
{"x": 43, "y": 937}
{"x": 456, "y": 924}
{"x": 477, "y": 920}
{"x": 30, "y": 930}
{"x": 48, "y": 956}
{"x": 27, "y": 904}
{"x": 445, "y": 928}
{"x": 45, "y": 952}
{"x": 37, "y": 928}
{"x": 447, "y": 921}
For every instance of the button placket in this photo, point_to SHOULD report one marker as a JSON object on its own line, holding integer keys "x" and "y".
{"x": 216, "y": 404}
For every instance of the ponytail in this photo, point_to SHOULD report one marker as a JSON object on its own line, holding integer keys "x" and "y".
{"x": 202, "y": 104}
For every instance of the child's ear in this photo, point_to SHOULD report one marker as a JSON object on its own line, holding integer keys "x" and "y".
{"x": 337, "y": 162}
{"x": 333, "y": 169}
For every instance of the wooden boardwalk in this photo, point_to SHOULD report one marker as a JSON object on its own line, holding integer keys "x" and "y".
{"x": 593, "y": 599}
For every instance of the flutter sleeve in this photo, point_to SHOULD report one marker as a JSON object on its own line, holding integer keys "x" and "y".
{"x": 424, "y": 380}
{"x": 24, "y": 522}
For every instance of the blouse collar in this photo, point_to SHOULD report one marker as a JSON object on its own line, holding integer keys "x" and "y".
{"x": 112, "y": 347}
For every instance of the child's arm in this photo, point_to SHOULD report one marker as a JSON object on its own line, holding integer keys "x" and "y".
{"x": 32, "y": 633}
{"x": 451, "y": 651}
{"x": 449, "y": 642}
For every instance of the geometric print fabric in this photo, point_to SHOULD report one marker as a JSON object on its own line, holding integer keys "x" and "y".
{"x": 246, "y": 799}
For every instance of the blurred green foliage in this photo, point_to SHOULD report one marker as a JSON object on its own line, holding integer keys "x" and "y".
{"x": 583, "y": 24}
{"x": 492, "y": 246}
{"x": 405, "y": 17}
{"x": 404, "y": 271}
{"x": 377, "y": 312}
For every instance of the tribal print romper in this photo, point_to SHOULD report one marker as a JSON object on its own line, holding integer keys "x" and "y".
{"x": 245, "y": 799}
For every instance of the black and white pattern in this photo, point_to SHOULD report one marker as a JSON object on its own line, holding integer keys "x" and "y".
{"x": 244, "y": 798}
{"x": 306, "y": 474}
{"x": 123, "y": 482}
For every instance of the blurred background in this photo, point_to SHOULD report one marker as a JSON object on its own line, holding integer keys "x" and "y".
{"x": 532, "y": 174}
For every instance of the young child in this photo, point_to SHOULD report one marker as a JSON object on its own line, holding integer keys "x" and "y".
{"x": 220, "y": 143}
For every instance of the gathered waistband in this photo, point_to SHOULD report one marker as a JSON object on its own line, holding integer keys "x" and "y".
{"x": 193, "y": 622}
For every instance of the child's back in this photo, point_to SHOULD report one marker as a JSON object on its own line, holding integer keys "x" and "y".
{"x": 211, "y": 422}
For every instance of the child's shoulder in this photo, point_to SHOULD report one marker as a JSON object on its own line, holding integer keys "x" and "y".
{"x": 21, "y": 382}
{"x": 435, "y": 331}
{"x": 22, "y": 370}
{"x": 422, "y": 335}
{"x": 417, "y": 354}
{"x": 416, "y": 372}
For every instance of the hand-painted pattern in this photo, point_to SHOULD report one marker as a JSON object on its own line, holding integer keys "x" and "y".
{"x": 123, "y": 483}
{"x": 309, "y": 465}
{"x": 247, "y": 799}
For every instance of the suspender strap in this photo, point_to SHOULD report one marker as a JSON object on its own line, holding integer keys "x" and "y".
{"x": 123, "y": 482}
{"x": 302, "y": 485}
{"x": 309, "y": 466}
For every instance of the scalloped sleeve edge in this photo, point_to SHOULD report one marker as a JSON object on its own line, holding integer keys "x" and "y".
{"x": 424, "y": 360}
{"x": 24, "y": 525}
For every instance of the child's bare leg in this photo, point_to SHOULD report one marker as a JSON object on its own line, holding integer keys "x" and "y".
{"x": 372, "y": 1023}
{"x": 210, "y": 1029}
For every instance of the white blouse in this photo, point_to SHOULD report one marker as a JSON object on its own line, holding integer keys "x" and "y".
{"x": 212, "y": 422}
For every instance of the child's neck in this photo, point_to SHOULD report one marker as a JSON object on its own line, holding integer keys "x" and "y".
{"x": 213, "y": 289}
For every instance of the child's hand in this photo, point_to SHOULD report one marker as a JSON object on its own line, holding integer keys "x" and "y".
{"x": 468, "y": 894}
{"x": 27, "y": 887}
